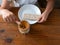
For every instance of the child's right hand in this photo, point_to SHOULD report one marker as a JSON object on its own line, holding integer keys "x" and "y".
{"x": 7, "y": 15}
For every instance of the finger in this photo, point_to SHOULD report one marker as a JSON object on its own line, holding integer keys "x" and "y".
{"x": 16, "y": 19}
{"x": 42, "y": 20}
{"x": 7, "y": 19}
{"x": 11, "y": 19}
{"x": 18, "y": 22}
{"x": 39, "y": 20}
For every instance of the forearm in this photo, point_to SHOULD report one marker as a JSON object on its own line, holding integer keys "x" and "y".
{"x": 49, "y": 7}
{"x": 5, "y": 4}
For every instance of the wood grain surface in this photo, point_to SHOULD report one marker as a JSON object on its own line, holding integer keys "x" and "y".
{"x": 47, "y": 33}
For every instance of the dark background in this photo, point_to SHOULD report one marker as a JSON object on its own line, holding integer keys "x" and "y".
{"x": 43, "y": 3}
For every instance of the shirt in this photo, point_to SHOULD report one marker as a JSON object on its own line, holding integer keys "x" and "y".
{"x": 18, "y": 3}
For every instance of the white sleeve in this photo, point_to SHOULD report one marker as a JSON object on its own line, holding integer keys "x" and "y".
{"x": 21, "y": 2}
{"x": 0, "y": 2}
{"x": 32, "y": 1}
{"x": 16, "y": 4}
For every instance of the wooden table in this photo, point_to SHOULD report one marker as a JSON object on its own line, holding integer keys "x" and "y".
{"x": 47, "y": 33}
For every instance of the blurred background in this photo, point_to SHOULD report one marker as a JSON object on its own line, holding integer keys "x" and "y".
{"x": 42, "y": 3}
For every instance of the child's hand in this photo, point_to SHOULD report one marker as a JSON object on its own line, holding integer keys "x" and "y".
{"x": 43, "y": 18}
{"x": 7, "y": 15}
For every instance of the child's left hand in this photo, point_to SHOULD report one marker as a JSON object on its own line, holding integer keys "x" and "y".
{"x": 43, "y": 17}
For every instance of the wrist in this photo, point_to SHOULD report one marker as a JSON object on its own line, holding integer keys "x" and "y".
{"x": 46, "y": 12}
